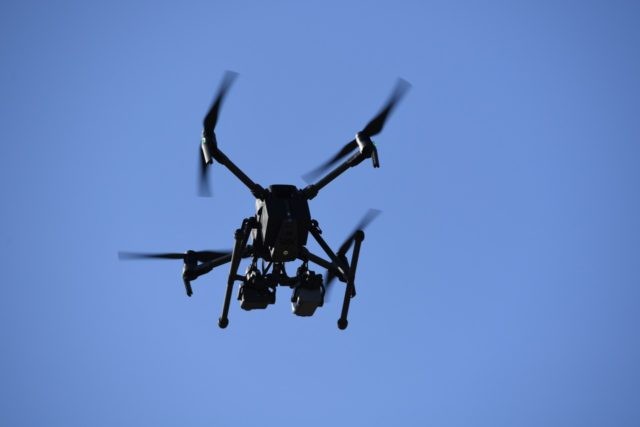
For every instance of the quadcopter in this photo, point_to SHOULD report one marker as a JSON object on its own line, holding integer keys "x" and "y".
{"x": 281, "y": 226}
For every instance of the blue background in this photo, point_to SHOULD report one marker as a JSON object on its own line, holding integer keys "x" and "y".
{"x": 498, "y": 288}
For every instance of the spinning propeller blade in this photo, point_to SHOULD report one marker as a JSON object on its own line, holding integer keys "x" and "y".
{"x": 372, "y": 128}
{"x": 209, "y": 144}
{"x": 211, "y": 118}
{"x": 344, "y": 248}
{"x": 309, "y": 177}
{"x": 376, "y": 124}
{"x": 201, "y": 256}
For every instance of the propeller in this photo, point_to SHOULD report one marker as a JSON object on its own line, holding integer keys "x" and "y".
{"x": 189, "y": 256}
{"x": 344, "y": 248}
{"x": 209, "y": 143}
{"x": 372, "y": 128}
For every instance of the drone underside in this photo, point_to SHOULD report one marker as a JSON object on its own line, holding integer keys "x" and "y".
{"x": 280, "y": 228}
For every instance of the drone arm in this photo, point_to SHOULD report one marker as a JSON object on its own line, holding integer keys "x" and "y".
{"x": 308, "y": 256}
{"x": 222, "y": 158}
{"x": 206, "y": 267}
{"x": 336, "y": 263}
{"x": 195, "y": 271}
{"x": 192, "y": 272}
{"x": 312, "y": 190}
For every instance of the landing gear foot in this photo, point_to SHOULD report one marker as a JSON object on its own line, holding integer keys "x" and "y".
{"x": 342, "y": 324}
{"x": 223, "y": 322}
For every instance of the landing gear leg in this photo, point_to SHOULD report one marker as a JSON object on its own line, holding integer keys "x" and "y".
{"x": 349, "y": 291}
{"x": 241, "y": 236}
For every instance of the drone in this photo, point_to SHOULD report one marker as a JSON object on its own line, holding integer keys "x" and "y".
{"x": 280, "y": 228}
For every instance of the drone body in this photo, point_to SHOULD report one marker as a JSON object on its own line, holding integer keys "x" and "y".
{"x": 284, "y": 220}
{"x": 280, "y": 228}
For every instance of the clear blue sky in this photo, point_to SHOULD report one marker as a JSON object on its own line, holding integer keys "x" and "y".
{"x": 500, "y": 286}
